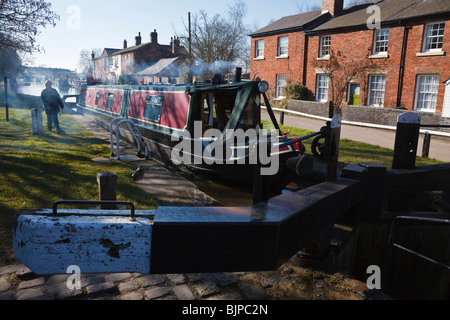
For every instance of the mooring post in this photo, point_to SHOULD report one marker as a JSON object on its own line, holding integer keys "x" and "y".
{"x": 282, "y": 117}
{"x": 107, "y": 188}
{"x": 332, "y": 141}
{"x": 36, "y": 121}
{"x": 406, "y": 141}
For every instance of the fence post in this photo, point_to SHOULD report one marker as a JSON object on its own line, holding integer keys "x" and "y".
{"x": 426, "y": 145}
{"x": 107, "y": 188}
{"x": 36, "y": 121}
{"x": 282, "y": 117}
{"x": 406, "y": 141}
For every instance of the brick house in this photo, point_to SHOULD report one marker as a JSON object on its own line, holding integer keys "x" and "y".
{"x": 408, "y": 50}
{"x": 115, "y": 63}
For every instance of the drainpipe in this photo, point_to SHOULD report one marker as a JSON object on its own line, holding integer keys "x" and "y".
{"x": 402, "y": 65}
{"x": 305, "y": 59}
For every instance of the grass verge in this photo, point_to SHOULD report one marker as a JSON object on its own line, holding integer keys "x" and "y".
{"x": 37, "y": 170}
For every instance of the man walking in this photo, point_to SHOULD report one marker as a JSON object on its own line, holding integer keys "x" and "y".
{"x": 52, "y": 102}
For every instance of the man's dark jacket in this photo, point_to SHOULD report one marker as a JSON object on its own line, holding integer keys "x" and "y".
{"x": 51, "y": 100}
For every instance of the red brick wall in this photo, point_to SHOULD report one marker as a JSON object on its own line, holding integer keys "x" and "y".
{"x": 355, "y": 45}
{"x": 268, "y": 68}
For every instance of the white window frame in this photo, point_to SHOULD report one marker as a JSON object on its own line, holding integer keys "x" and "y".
{"x": 259, "y": 49}
{"x": 283, "y": 46}
{"x": 377, "y": 90}
{"x": 427, "y": 89}
{"x": 325, "y": 46}
{"x": 321, "y": 89}
{"x": 430, "y": 34}
{"x": 381, "y": 41}
{"x": 281, "y": 83}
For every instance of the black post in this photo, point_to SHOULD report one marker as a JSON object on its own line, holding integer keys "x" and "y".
{"x": 405, "y": 153}
{"x": 406, "y": 141}
{"x": 332, "y": 141}
{"x": 261, "y": 187}
{"x": 282, "y": 117}
{"x": 6, "y": 97}
{"x": 426, "y": 145}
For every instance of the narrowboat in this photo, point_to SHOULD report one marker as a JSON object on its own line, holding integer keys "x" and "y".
{"x": 209, "y": 128}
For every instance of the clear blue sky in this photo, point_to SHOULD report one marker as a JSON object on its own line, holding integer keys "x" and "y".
{"x": 88, "y": 24}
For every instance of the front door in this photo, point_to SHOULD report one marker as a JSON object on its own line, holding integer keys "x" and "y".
{"x": 353, "y": 95}
{"x": 446, "y": 107}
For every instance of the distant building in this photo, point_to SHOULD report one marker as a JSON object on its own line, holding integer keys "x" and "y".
{"x": 409, "y": 49}
{"x": 126, "y": 63}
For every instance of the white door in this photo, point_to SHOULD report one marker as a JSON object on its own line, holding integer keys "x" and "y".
{"x": 446, "y": 108}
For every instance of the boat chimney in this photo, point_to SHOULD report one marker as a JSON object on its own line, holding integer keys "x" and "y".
{"x": 154, "y": 37}
{"x": 238, "y": 76}
{"x": 138, "y": 39}
{"x": 125, "y": 45}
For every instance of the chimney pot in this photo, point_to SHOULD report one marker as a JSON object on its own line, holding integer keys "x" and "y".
{"x": 154, "y": 37}
{"x": 138, "y": 39}
{"x": 125, "y": 44}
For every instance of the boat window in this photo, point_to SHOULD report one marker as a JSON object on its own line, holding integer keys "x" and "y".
{"x": 110, "y": 101}
{"x": 153, "y": 107}
{"x": 217, "y": 109}
{"x": 97, "y": 98}
{"x": 252, "y": 116}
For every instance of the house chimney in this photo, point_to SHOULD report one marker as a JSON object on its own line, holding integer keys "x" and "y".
{"x": 125, "y": 45}
{"x": 175, "y": 44}
{"x": 138, "y": 39}
{"x": 154, "y": 37}
{"x": 334, "y": 7}
{"x": 93, "y": 55}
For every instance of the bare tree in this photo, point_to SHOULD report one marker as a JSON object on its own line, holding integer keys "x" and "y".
{"x": 21, "y": 22}
{"x": 220, "y": 38}
{"x": 85, "y": 59}
{"x": 341, "y": 70}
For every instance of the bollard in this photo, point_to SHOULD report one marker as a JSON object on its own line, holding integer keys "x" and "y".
{"x": 426, "y": 145}
{"x": 107, "y": 188}
{"x": 36, "y": 121}
{"x": 282, "y": 117}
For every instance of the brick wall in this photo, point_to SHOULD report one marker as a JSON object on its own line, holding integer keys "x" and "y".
{"x": 380, "y": 116}
{"x": 268, "y": 67}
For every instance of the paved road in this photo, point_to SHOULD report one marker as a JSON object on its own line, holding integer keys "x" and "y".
{"x": 439, "y": 150}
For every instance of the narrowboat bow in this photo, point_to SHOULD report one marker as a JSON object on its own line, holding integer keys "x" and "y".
{"x": 204, "y": 128}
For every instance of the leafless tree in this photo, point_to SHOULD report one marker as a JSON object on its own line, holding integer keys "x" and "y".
{"x": 85, "y": 59}
{"x": 21, "y": 22}
{"x": 220, "y": 38}
{"x": 341, "y": 70}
